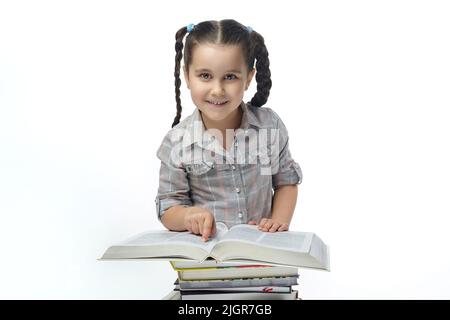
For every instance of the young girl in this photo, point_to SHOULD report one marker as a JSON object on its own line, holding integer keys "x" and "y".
{"x": 222, "y": 162}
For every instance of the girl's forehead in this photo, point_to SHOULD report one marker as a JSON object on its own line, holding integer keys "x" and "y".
{"x": 219, "y": 57}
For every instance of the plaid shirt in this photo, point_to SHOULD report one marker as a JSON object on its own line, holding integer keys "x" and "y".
{"x": 236, "y": 184}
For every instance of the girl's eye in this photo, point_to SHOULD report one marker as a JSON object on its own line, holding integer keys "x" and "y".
{"x": 230, "y": 75}
{"x": 207, "y": 76}
{"x": 204, "y": 76}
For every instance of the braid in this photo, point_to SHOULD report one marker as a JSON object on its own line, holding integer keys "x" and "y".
{"x": 264, "y": 83}
{"x": 179, "y": 53}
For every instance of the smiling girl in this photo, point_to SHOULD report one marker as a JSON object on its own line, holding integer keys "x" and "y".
{"x": 228, "y": 161}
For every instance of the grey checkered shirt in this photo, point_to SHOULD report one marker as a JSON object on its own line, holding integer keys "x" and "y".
{"x": 237, "y": 184}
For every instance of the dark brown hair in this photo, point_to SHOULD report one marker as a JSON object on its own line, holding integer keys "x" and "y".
{"x": 228, "y": 32}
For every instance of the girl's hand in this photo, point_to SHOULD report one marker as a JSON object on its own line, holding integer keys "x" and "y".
{"x": 270, "y": 225}
{"x": 200, "y": 221}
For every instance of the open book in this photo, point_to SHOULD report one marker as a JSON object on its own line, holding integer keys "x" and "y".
{"x": 241, "y": 242}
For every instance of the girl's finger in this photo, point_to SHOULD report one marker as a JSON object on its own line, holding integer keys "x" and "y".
{"x": 195, "y": 227}
{"x": 283, "y": 227}
{"x": 253, "y": 222}
{"x": 262, "y": 223}
{"x": 274, "y": 227}
{"x": 267, "y": 225}
{"x": 206, "y": 227}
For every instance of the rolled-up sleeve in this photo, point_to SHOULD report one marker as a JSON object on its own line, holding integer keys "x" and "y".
{"x": 173, "y": 182}
{"x": 285, "y": 170}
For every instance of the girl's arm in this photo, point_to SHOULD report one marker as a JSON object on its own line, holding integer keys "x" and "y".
{"x": 283, "y": 206}
{"x": 284, "y": 201}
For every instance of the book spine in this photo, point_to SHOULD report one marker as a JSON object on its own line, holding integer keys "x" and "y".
{"x": 236, "y": 283}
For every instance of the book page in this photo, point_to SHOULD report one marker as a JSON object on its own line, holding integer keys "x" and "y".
{"x": 221, "y": 231}
{"x": 151, "y": 238}
{"x": 285, "y": 240}
{"x": 196, "y": 240}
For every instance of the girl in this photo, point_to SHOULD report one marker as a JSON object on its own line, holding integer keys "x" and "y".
{"x": 222, "y": 162}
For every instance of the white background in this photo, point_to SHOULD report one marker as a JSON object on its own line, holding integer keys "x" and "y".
{"x": 87, "y": 94}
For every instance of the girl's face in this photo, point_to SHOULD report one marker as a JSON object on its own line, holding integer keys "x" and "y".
{"x": 217, "y": 79}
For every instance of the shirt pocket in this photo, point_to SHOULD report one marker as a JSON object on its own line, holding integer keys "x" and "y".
{"x": 202, "y": 181}
{"x": 199, "y": 168}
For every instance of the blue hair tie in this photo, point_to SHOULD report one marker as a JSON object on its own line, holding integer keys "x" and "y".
{"x": 249, "y": 29}
{"x": 190, "y": 27}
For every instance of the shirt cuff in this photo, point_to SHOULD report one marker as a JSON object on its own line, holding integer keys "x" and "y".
{"x": 292, "y": 176}
{"x": 164, "y": 204}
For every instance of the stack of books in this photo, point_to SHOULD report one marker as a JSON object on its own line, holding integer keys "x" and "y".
{"x": 238, "y": 257}
{"x": 211, "y": 280}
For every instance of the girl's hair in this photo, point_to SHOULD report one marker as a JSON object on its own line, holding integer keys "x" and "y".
{"x": 228, "y": 32}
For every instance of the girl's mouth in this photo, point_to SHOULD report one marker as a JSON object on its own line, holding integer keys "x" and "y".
{"x": 216, "y": 103}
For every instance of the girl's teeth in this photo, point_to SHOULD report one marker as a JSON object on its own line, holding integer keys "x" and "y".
{"x": 217, "y": 103}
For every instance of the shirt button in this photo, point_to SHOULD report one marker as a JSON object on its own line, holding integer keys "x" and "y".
{"x": 240, "y": 215}
{"x": 235, "y": 144}
{"x": 233, "y": 167}
{"x": 238, "y": 190}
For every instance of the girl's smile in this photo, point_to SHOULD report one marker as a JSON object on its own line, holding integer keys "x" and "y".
{"x": 215, "y": 104}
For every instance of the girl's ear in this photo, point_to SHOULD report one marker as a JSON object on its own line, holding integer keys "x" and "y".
{"x": 249, "y": 78}
{"x": 186, "y": 76}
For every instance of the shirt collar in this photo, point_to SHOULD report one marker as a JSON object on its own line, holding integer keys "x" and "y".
{"x": 195, "y": 129}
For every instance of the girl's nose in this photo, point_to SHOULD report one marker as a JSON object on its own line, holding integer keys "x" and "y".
{"x": 217, "y": 89}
